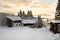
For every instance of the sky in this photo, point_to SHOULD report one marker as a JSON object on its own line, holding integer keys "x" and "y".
{"x": 46, "y": 8}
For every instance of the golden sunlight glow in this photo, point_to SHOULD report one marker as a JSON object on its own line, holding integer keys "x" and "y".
{"x": 44, "y": 9}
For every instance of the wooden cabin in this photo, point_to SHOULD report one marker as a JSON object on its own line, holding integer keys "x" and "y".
{"x": 28, "y": 22}
{"x": 13, "y": 21}
{"x": 55, "y": 26}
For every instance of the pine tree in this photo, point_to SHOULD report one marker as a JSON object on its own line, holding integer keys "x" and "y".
{"x": 29, "y": 13}
{"x": 39, "y": 23}
{"x": 23, "y": 15}
{"x": 20, "y": 13}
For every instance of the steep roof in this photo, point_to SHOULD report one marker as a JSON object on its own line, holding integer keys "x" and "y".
{"x": 14, "y": 18}
{"x": 28, "y": 21}
{"x": 55, "y": 21}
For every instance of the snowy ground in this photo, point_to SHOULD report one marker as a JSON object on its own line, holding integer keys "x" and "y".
{"x": 25, "y": 33}
{"x": 58, "y": 38}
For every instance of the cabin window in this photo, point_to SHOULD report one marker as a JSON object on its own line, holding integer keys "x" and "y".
{"x": 16, "y": 24}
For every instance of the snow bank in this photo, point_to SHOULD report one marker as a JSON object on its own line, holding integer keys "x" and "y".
{"x": 25, "y": 33}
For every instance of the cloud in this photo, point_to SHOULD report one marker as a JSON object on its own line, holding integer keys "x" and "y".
{"x": 44, "y": 5}
{"x": 5, "y": 6}
{"x": 24, "y": 1}
{"x": 37, "y": 7}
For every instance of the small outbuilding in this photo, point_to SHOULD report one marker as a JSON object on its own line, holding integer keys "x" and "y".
{"x": 28, "y": 22}
{"x": 55, "y": 26}
{"x": 13, "y": 21}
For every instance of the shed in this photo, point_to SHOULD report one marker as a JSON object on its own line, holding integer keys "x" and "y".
{"x": 28, "y": 22}
{"x": 13, "y": 21}
{"x": 55, "y": 26}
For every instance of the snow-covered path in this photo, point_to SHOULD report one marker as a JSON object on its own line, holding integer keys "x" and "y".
{"x": 58, "y": 38}
{"x": 25, "y": 33}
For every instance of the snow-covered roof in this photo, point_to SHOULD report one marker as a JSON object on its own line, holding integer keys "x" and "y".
{"x": 14, "y": 18}
{"x": 26, "y": 21}
{"x": 55, "y": 21}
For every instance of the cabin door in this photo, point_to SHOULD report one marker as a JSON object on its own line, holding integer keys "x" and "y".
{"x": 58, "y": 27}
